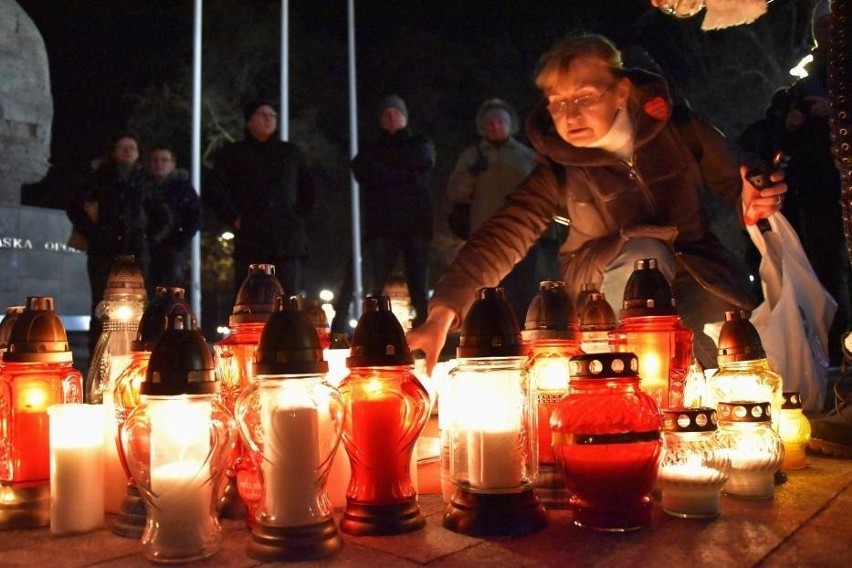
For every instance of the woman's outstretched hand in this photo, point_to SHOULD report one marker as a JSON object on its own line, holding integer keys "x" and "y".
{"x": 431, "y": 336}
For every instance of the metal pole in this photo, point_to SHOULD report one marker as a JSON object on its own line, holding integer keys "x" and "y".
{"x": 284, "y": 119}
{"x": 195, "y": 295}
{"x": 358, "y": 289}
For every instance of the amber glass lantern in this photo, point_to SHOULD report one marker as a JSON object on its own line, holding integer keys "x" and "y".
{"x": 386, "y": 410}
{"x": 597, "y": 320}
{"x": 36, "y": 373}
{"x": 755, "y": 449}
{"x": 234, "y": 356}
{"x": 795, "y": 431}
{"x": 551, "y": 336}
{"x": 744, "y": 372}
{"x": 652, "y": 330}
{"x": 695, "y": 463}
{"x": 607, "y": 441}
{"x": 6, "y": 325}
{"x": 177, "y": 442}
{"x": 130, "y": 521}
{"x": 291, "y": 420}
{"x": 320, "y": 321}
{"x": 493, "y": 437}
{"x": 120, "y": 311}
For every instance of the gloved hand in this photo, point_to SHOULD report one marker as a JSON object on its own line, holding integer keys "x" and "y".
{"x": 480, "y": 165}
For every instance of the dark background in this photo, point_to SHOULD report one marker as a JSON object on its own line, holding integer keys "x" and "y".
{"x": 122, "y": 63}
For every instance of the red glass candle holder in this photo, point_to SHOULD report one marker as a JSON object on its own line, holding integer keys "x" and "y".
{"x": 235, "y": 356}
{"x": 36, "y": 373}
{"x": 652, "y": 330}
{"x": 607, "y": 441}
{"x": 386, "y": 410}
{"x": 551, "y": 335}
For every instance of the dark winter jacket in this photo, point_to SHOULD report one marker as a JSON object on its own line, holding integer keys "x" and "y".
{"x": 393, "y": 173}
{"x": 130, "y": 216}
{"x": 185, "y": 207}
{"x": 267, "y": 186}
{"x": 609, "y": 201}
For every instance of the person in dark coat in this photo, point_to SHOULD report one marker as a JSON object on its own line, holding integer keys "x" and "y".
{"x": 170, "y": 258}
{"x": 631, "y": 186}
{"x": 119, "y": 214}
{"x": 397, "y": 208}
{"x": 262, "y": 188}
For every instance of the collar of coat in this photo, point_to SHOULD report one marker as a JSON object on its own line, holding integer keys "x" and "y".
{"x": 649, "y": 106}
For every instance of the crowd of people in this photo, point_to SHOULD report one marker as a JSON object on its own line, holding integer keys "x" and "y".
{"x": 612, "y": 155}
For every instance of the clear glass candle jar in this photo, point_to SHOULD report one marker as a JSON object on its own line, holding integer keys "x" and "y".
{"x": 695, "y": 464}
{"x": 744, "y": 372}
{"x": 608, "y": 443}
{"x": 755, "y": 449}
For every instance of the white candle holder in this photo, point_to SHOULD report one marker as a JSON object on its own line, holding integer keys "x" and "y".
{"x": 695, "y": 465}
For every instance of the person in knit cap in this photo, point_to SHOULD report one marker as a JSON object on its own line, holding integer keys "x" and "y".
{"x": 261, "y": 187}
{"x": 393, "y": 170}
{"x": 614, "y": 161}
{"x": 485, "y": 174}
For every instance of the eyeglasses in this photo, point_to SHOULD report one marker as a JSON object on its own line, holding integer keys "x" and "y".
{"x": 577, "y": 104}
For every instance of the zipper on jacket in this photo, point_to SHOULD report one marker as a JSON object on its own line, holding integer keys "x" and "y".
{"x": 633, "y": 174}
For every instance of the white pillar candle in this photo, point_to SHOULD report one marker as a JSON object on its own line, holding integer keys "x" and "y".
{"x": 290, "y": 461}
{"x": 76, "y": 468}
{"x": 495, "y": 459}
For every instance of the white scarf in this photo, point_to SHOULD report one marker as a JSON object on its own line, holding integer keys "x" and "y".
{"x": 619, "y": 138}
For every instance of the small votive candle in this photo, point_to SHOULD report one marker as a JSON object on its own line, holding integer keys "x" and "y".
{"x": 694, "y": 465}
{"x": 795, "y": 431}
{"x": 76, "y": 468}
{"x": 755, "y": 449}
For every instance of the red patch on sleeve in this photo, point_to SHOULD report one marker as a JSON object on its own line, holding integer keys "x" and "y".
{"x": 658, "y": 109}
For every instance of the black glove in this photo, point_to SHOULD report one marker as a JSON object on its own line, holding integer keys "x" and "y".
{"x": 480, "y": 165}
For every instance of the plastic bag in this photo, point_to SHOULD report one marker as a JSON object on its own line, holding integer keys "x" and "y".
{"x": 796, "y": 314}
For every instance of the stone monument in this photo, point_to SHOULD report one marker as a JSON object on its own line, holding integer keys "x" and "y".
{"x": 34, "y": 259}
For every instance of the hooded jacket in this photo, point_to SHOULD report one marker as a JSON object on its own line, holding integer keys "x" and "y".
{"x": 609, "y": 201}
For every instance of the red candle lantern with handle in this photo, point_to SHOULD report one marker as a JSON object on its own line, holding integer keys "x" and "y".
{"x": 386, "y": 410}
{"x": 36, "y": 374}
{"x": 130, "y": 520}
{"x": 652, "y": 330}
{"x": 291, "y": 420}
{"x": 234, "y": 357}
{"x": 551, "y": 335}
{"x": 607, "y": 441}
{"x": 492, "y": 438}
